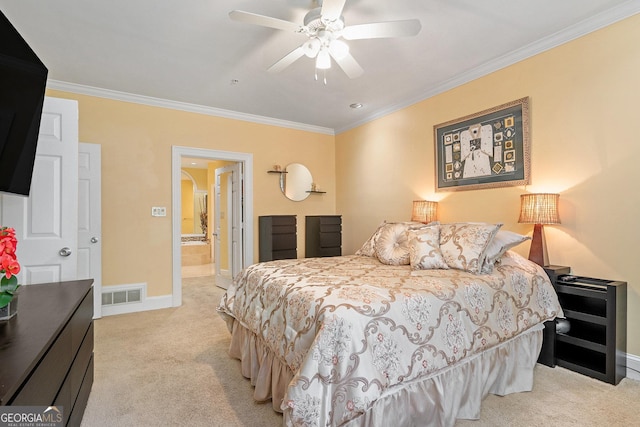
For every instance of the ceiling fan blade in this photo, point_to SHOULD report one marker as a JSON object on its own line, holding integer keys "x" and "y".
{"x": 378, "y": 30}
{"x": 349, "y": 65}
{"x": 265, "y": 21}
{"x": 332, "y": 9}
{"x": 287, "y": 60}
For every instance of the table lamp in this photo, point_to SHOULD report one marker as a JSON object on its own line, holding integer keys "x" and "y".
{"x": 424, "y": 211}
{"x": 539, "y": 209}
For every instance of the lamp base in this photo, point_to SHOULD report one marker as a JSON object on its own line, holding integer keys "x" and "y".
{"x": 537, "y": 251}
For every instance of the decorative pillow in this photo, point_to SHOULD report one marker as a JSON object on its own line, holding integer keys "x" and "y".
{"x": 501, "y": 243}
{"x": 464, "y": 245}
{"x": 392, "y": 244}
{"x": 424, "y": 249}
{"x": 369, "y": 247}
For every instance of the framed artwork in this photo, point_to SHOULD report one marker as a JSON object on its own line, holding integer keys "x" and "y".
{"x": 484, "y": 150}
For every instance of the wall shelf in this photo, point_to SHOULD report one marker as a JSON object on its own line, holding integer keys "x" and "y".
{"x": 316, "y": 192}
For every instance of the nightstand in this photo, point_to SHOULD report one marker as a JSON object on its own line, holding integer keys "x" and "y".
{"x": 548, "y": 351}
{"x": 596, "y": 343}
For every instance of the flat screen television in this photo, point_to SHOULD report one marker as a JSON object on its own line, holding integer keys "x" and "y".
{"x": 23, "y": 79}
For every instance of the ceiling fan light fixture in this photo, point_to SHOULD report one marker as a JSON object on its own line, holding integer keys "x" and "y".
{"x": 323, "y": 60}
{"x": 312, "y": 47}
{"x": 326, "y": 31}
{"x": 338, "y": 49}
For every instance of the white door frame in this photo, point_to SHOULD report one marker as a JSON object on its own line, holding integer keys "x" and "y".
{"x": 90, "y": 226}
{"x": 177, "y": 153}
{"x": 233, "y": 203}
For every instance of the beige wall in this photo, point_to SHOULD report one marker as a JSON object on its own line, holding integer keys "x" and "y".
{"x": 584, "y": 126}
{"x": 136, "y": 145}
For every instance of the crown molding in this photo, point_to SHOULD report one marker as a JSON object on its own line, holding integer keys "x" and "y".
{"x": 182, "y": 106}
{"x": 596, "y": 22}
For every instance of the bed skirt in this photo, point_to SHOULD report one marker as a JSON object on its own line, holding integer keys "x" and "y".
{"x": 453, "y": 393}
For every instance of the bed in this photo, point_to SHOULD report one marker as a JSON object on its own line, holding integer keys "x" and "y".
{"x": 415, "y": 328}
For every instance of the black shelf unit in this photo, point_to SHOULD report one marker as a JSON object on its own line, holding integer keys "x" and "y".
{"x": 323, "y": 236}
{"x": 596, "y": 343}
{"x": 278, "y": 237}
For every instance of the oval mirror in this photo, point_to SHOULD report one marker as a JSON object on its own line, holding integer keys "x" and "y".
{"x": 296, "y": 183}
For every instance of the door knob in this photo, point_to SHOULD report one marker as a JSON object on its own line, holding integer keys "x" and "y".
{"x": 64, "y": 251}
{"x": 94, "y": 240}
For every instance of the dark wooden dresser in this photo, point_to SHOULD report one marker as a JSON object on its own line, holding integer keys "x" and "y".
{"x": 278, "y": 237}
{"x": 46, "y": 350}
{"x": 323, "y": 236}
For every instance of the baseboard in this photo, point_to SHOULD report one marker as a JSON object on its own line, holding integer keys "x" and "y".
{"x": 633, "y": 367}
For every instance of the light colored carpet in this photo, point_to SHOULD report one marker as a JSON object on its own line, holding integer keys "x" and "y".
{"x": 170, "y": 368}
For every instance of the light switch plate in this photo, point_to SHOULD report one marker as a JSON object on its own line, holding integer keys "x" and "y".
{"x": 158, "y": 211}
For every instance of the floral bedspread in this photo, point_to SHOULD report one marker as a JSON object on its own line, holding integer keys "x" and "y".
{"x": 352, "y": 328}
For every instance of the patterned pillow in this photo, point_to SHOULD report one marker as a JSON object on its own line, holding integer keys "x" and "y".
{"x": 424, "y": 249}
{"x": 464, "y": 245}
{"x": 369, "y": 247}
{"x": 392, "y": 244}
{"x": 501, "y": 243}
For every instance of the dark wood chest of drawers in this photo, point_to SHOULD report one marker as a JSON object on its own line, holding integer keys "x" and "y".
{"x": 46, "y": 350}
{"x": 323, "y": 236}
{"x": 278, "y": 237}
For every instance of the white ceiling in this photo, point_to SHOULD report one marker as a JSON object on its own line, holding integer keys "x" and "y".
{"x": 188, "y": 54}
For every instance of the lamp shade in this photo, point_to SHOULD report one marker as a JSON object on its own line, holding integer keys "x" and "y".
{"x": 539, "y": 208}
{"x": 424, "y": 211}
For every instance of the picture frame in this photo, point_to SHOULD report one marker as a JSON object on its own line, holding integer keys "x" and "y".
{"x": 488, "y": 149}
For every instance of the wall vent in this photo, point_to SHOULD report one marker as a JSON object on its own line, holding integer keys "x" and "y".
{"x": 122, "y": 296}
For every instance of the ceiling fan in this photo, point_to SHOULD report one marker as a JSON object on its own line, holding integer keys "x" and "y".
{"x": 326, "y": 30}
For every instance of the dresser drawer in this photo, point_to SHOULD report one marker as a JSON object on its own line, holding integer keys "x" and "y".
{"x": 280, "y": 220}
{"x": 43, "y": 385}
{"x": 283, "y": 229}
{"x": 330, "y": 228}
{"x": 73, "y": 383}
{"x": 330, "y": 220}
{"x": 75, "y": 417}
{"x": 329, "y": 240}
{"x": 334, "y": 251}
{"x": 80, "y": 364}
{"x": 81, "y": 320}
{"x": 288, "y": 254}
{"x": 284, "y": 241}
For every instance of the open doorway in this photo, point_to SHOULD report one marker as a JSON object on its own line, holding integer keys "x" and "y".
{"x": 243, "y": 216}
{"x": 197, "y": 248}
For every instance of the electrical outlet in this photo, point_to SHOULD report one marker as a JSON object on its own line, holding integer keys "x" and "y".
{"x": 158, "y": 211}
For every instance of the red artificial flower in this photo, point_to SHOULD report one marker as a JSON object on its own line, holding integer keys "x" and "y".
{"x": 9, "y": 265}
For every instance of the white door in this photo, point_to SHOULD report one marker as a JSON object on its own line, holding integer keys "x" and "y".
{"x": 228, "y": 227}
{"x": 46, "y": 221}
{"x": 90, "y": 221}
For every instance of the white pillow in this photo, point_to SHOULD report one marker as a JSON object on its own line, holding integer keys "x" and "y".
{"x": 464, "y": 245}
{"x": 501, "y": 243}
{"x": 424, "y": 249}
